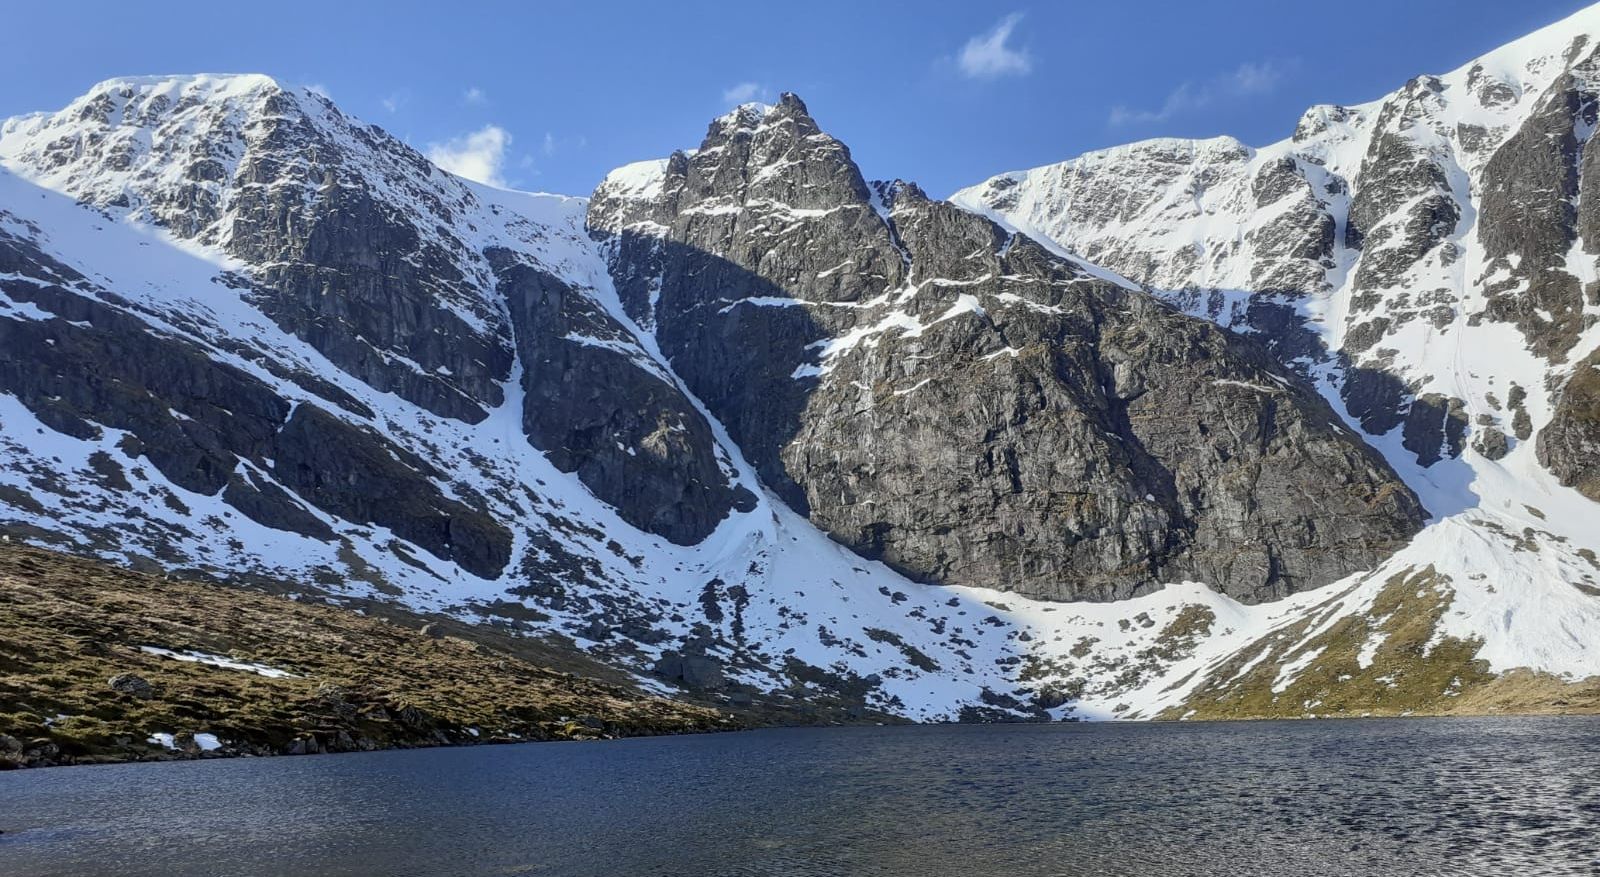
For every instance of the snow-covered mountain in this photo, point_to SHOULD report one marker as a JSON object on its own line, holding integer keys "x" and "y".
{"x": 969, "y": 407}
{"x": 1429, "y": 259}
{"x": 245, "y": 334}
{"x": 1429, "y": 255}
{"x": 753, "y": 427}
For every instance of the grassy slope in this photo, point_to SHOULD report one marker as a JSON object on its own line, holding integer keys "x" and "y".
{"x": 1412, "y": 671}
{"x": 362, "y": 681}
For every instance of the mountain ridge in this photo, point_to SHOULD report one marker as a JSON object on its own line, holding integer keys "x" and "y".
{"x": 869, "y": 268}
{"x": 667, "y": 434}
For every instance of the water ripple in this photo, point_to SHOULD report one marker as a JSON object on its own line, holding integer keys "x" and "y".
{"x": 1372, "y": 798}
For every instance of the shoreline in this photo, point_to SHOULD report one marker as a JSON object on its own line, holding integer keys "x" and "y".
{"x": 186, "y": 757}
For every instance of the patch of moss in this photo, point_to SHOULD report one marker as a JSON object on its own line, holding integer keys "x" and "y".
{"x": 1413, "y": 669}
{"x": 1185, "y": 631}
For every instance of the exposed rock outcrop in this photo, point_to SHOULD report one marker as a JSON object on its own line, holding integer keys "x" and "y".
{"x": 1529, "y": 218}
{"x": 599, "y": 408}
{"x": 961, "y": 403}
{"x": 352, "y": 235}
{"x": 1570, "y": 444}
{"x": 212, "y": 428}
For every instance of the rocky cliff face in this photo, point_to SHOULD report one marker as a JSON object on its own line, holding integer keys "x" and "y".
{"x": 1570, "y": 445}
{"x": 214, "y": 429}
{"x": 328, "y": 211}
{"x": 1387, "y": 249}
{"x": 610, "y": 414}
{"x": 1428, "y": 260}
{"x": 958, "y": 401}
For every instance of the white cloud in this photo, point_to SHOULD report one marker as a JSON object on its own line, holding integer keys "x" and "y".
{"x": 987, "y": 56}
{"x": 1247, "y": 80}
{"x": 1255, "y": 78}
{"x": 480, "y": 155}
{"x": 744, "y": 92}
{"x": 474, "y": 96}
{"x": 395, "y": 101}
{"x": 549, "y": 143}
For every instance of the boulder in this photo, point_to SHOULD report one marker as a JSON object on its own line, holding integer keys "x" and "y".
{"x": 696, "y": 672}
{"x": 132, "y": 685}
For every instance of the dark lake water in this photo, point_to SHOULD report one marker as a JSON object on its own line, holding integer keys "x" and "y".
{"x": 1504, "y": 797}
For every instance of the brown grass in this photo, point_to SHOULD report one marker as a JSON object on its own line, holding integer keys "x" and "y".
{"x": 362, "y": 682}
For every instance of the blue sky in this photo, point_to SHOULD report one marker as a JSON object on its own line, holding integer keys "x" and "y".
{"x": 551, "y": 95}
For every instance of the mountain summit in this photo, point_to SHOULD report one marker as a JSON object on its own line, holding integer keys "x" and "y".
{"x": 960, "y": 402}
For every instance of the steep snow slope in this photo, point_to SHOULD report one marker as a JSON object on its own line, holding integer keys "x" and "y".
{"x": 1425, "y": 258}
{"x": 1358, "y": 246}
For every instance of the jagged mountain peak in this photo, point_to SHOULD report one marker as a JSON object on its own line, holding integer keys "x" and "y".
{"x": 751, "y": 118}
{"x": 278, "y": 182}
{"x": 1494, "y": 82}
{"x": 875, "y": 299}
{"x": 774, "y": 159}
{"x": 177, "y": 150}
{"x": 746, "y": 117}
{"x": 889, "y": 193}
{"x": 1370, "y": 228}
